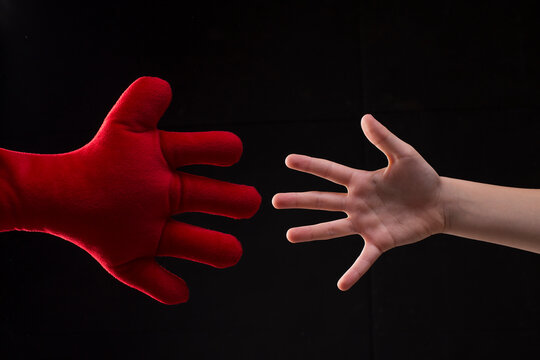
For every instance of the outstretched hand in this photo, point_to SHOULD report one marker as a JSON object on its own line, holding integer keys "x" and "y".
{"x": 115, "y": 196}
{"x": 389, "y": 207}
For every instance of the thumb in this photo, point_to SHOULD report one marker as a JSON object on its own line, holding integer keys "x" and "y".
{"x": 392, "y": 146}
{"x": 142, "y": 104}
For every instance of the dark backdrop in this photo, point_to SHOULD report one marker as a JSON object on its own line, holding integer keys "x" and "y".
{"x": 459, "y": 82}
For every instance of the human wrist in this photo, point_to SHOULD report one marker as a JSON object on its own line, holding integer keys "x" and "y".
{"x": 449, "y": 201}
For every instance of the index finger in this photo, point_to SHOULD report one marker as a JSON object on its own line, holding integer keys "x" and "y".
{"x": 329, "y": 170}
{"x": 221, "y": 148}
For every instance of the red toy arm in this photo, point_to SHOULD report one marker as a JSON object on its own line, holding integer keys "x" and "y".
{"x": 114, "y": 197}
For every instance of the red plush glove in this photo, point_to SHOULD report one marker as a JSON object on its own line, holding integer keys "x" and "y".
{"x": 114, "y": 196}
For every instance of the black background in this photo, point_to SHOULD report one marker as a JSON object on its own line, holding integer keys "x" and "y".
{"x": 460, "y": 82}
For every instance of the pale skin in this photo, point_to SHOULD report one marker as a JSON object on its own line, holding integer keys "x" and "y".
{"x": 407, "y": 201}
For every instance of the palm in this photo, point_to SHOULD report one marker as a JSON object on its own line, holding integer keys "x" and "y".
{"x": 396, "y": 205}
{"x": 131, "y": 220}
{"x": 393, "y": 206}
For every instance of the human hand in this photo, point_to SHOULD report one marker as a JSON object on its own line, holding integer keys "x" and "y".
{"x": 393, "y": 206}
{"x": 114, "y": 197}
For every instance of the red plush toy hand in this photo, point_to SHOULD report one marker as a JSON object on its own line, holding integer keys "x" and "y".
{"x": 114, "y": 196}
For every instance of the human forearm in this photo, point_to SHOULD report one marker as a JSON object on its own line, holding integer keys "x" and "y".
{"x": 501, "y": 215}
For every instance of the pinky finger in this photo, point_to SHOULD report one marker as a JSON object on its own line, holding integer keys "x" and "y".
{"x": 147, "y": 276}
{"x": 367, "y": 258}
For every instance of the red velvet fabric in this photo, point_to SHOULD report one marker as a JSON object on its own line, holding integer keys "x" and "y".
{"x": 114, "y": 197}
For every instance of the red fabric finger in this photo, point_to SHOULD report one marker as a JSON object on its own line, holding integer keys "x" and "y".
{"x": 201, "y": 194}
{"x": 141, "y": 106}
{"x": 197, "y": 244}
{"x": 220, "y": 148}
{"x": 148, "y": 276}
